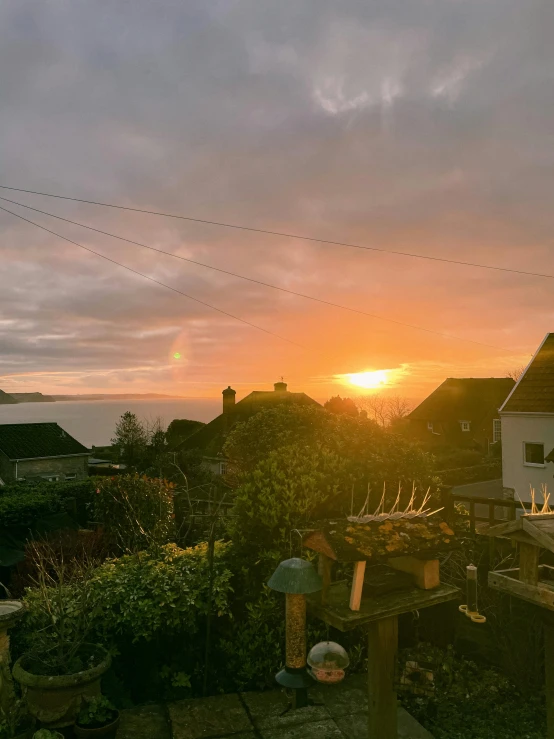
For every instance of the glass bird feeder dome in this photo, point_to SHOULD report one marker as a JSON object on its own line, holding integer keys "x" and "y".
{"x": 328, "y": 661}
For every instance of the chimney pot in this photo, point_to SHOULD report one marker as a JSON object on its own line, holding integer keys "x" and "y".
{"x": 280, "y": 387}
{"x": 228, "y": 399}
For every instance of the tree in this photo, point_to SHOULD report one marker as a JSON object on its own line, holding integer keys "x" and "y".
{"x": 130, "y": 440}
{"x": 180, "y": 429}
{"x": 388, "y": 411}
{"x": 369, "y": 456}
{"x": 516, "y": 373}
{"x": 345, "y": 406}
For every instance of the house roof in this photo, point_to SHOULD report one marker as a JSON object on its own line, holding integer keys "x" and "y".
{"x": 465, "y": 399}
{"x": 534, "y": 392}
{"x": 33, "y": 440}
{"x": 211, "y": 437}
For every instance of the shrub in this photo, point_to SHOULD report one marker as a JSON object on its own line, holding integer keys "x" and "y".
{"x": 467, "y": 475}
{"x": 136, "y": 512}
{"x": 473, "y": 702}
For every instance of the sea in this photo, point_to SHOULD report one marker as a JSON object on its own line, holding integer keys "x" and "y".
{"x": 92, "y": 422}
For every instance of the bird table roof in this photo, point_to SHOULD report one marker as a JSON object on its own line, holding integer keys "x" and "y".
{"x": 374, "y": 541}
{"x": 534, "y": 528}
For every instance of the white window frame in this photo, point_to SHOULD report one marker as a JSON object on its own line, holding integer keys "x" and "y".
{"x": 71, "y": 476}
{"x": 465, "y": 426}
{"x": 533, "y": 464}
{"x": 430, "y": 426}
{"x": 496, "y": 430}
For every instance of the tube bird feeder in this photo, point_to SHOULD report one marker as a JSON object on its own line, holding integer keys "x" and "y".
{"x": 296, "y": 578}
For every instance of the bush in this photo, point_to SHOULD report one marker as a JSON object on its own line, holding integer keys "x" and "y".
{"x": 467, "y": 475}
{"x": 78, "y": 495}
{"x": 473, "y": 702}
{"x": 136, "y": 512}
{"x": 449, "y": 459}
{"x": 23, "y": 511}
{"x": 150, "y": 606}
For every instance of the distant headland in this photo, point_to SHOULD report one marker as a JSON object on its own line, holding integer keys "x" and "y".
{"x": 11, "y": 398}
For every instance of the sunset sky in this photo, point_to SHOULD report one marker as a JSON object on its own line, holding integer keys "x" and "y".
{"x": 417, "y": 126}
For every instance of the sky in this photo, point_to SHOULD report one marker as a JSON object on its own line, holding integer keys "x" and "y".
{"x": 423, "y": 126}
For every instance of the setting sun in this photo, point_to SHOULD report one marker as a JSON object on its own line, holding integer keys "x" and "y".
{"x": 368, "y": 380}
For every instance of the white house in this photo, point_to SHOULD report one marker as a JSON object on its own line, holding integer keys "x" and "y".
{"x": 527, "y": 418}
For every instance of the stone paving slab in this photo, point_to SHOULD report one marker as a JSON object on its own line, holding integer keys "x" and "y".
{"x": 269, "y": 710}
{"x": 145, "y": 722}
{"x": 215, "y": 716}
{"x": 354, "y": 726}
{"x": 339, "y": 715}
{"x": 315, "y": 730}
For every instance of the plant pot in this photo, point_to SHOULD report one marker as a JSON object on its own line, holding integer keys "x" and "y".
{"x": 55, "y": 700}
{"x": 103, "y": 732}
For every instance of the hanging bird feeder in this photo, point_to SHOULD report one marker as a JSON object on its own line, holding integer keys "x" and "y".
{"x": 328, "y": 661}
{"x": 296, "y": 578}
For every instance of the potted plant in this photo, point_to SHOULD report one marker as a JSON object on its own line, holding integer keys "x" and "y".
{"x": 47, "y": 734}
{"x": 61, "y": 668}
{"x": 15, "y": 722}
{"x": 97, "y": 718}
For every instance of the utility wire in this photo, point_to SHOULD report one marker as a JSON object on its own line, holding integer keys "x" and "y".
{"x": 251, "y": 279}
{"x": 286, "y": 235}
{"x": 152, "y": 279}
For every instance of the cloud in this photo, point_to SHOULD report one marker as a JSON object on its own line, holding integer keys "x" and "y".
{"x": 422, "y": 127}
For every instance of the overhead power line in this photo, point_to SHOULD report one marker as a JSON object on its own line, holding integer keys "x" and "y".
{"x": 249, "y": 279}
{"x": 152, "y": 279}
{"x": 268, "y": 232}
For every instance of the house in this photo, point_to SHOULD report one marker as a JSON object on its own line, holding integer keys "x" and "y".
{"x": 31, "y": 451}
{"x": 210, "y": 438}
{"x": 462, "y": 413}
{"x": 528, "y": 427}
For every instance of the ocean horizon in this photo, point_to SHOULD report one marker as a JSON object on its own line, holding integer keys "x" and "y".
{"x": 92, "y": 422}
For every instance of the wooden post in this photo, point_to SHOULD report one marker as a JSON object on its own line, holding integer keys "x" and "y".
{"x": 324, "y": 569}
{"x": 382, "y": 646}
{"x": 425, "y": 571}
{"x": 529, "y": 563}
{"x": 549, "y": 670}
{"x": 357, "y": 586}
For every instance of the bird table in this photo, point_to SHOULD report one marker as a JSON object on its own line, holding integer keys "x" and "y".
{"x": 532, "y": 582}
{"x": 403, "y": 554}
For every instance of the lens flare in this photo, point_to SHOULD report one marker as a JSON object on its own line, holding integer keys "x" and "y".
{"x": 177, "y": 355}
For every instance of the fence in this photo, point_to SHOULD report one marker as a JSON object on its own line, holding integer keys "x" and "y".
{"x": 479, "y": 523}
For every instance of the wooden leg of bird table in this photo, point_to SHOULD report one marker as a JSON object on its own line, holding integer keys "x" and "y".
{"x": 382, "y": 647}
{"x": 549, "y": 669}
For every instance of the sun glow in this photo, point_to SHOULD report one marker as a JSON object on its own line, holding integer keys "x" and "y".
{"x": 368, "y": 380}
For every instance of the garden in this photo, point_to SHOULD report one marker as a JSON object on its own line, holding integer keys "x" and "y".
{"x": 123, "y": 605}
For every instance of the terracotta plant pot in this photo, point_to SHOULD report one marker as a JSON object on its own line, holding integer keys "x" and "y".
{"x": 55, "y": 700}
{"x": 103, "y": 732}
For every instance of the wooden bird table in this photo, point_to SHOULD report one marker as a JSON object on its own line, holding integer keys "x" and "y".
{"x": 402, "y": 576}
{"x": 379, "y": 615}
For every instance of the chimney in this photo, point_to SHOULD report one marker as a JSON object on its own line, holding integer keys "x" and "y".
{"x": 280, "y": 387}
{"x": 228, "y": 399}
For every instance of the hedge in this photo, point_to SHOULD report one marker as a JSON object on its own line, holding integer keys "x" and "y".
{"x": 477, "y": 473}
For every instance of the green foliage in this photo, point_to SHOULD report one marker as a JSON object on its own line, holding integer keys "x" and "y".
{"x": 131, "y": 440}
{"x": 451, "y": 458}
{"x": 296, "y": 465}
{"x": 473, "y": 702}
{"x": 180, "y": 429}
{"x": 478, "y": 473}
{"x": 96, "y": 712}
{"x": 340, "y": 405}
{"x": 47, "y": 734}
{"x": 24, "y": 510}
{"x": 142, "y": 595}
{"x": 137, "y": 512}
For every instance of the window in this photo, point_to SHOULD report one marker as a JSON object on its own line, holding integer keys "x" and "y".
{"x": 71, "y": 477}
{"x": 223, "y": 468}
{"x": 496, "y": 430}
{"x": 465, "y": 425}
{"x": 430, "y": 425}
{"x": 533, "y": 453}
